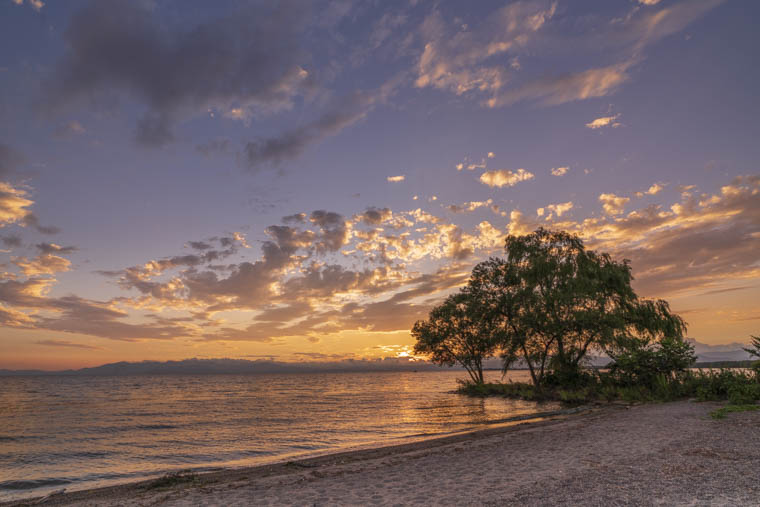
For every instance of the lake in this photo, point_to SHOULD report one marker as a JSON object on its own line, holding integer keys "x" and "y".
{"x": 78, "y": 432}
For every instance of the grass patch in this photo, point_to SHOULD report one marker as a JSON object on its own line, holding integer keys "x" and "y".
{"x": 740, "y": 387}
{"x": 517, "y": 390}
{"x": 172, "y": 479}
{"x": 730, "y": 409}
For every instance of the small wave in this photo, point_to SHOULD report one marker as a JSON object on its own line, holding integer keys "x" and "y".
{"x": 132, "y": 427}
{"x": 306, "y": 447}
{"x": 19, "y": 438}
{"x": 156, "y": 426}
{"x": 39, "y": 483}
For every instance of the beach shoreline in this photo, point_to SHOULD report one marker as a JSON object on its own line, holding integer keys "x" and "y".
{"x": 310, "y": 460}
{"x": 602, "y": 447}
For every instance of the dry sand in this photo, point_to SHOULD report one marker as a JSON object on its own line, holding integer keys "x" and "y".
{"x": 659, "y": 454}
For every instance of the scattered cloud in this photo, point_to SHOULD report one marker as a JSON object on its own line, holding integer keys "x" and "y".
{"x": 43, "y": 264}
{"x": 323, "y": 273}
{"x": 613, "y": 204}
{"x": 462, "y": 60}
{"x": 37, "y": 5}
{"x": 549, "y": 211}
{"x": 505, "y": 178}
{"x": 31, "y": 220}
{"x": 560, "y": 171}
{"x": 654, "y": 189}
{"x": 473, "y": 205}
{"x": 66, "y": 344}
{"x": 291, "y": 143}
{"x": 52, "y": 248}
{"x": 249, "y": 60}
{"x": 551, "y": 91}
{"x": 11, "y": 240}
{"x": 485, "y": 60}
{"x": 604, "y": 121}
{"x": 14, "y": 204}
{"x": 394, "y": 179}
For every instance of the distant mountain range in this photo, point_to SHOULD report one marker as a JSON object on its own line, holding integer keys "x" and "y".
{"x": 236, "y": 366}
{"x": 728, "y": 352}
{"x": 705, "y": 353}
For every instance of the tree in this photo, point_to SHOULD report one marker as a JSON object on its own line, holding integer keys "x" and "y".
{"x": 555, "y": 301}
{"x": 457, "y": 332}
{"x": 508, "y": 304}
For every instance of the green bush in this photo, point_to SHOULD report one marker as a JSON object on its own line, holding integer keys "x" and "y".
{"x": 738, "y": 386}
{"x": 743, "y": 394}
{"x": 652, "y": 365}
{"x": 517, "y": 390}
{"x": 574, "y": 396}
{"x": 719, "y": 385}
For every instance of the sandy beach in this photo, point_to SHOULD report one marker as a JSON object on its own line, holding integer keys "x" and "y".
{"x": 658, "y": 454}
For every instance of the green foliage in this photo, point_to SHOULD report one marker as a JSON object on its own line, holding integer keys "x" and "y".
{"x": 730, "y": 409}
{"x": 739, "y": 387}
{"x": 457, "y": 332}
{"x": 555, "y": 301}
{"x": 742, "y": 394}
{"x": 514, "y": 390}
{"x": 720, "y": 385}
{"x": 652, "y": 364}
{"x": 574, "y": 397}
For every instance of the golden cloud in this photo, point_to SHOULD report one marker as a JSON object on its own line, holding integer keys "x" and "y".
{"x": 505, "y": 178}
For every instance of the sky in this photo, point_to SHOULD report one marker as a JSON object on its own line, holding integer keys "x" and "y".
{"x": 304, "y": 180}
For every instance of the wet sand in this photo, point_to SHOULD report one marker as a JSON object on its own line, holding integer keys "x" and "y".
{"x": 658, "y": 454}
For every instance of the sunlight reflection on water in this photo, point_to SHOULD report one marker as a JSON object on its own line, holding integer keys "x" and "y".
{"x": 78, "y": 432}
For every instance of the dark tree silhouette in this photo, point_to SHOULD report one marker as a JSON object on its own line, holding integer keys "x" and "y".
{"x": 457, "y": 332}
{"x": 554, "y": 301}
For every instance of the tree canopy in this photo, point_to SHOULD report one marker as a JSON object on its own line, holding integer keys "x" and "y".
{"x": 455, "y": 332}
{"x": 549, "y": 303}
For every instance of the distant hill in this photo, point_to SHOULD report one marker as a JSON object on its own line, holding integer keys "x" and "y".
{"x": 715, "y": 353}
{"x": 235, "y": 366}
{"x": 705, "y": 354}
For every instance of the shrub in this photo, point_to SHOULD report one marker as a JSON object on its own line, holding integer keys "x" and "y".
{"x": 743, "y": 394}
{"x": 653, "y": 366}
{"x": 574, "y": 396}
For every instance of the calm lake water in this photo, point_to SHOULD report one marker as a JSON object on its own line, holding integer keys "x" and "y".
{"x": 80, "y": 432}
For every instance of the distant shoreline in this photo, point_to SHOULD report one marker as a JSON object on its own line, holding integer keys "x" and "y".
{"x": 671, "y": 452}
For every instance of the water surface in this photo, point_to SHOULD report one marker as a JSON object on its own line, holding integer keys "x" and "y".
{"x": 80, "y": 432}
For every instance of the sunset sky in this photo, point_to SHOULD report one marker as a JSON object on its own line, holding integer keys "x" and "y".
{"x": 304, "y": 180}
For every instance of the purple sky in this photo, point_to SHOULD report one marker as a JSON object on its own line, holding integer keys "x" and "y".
{"x": 304, "y": 180}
